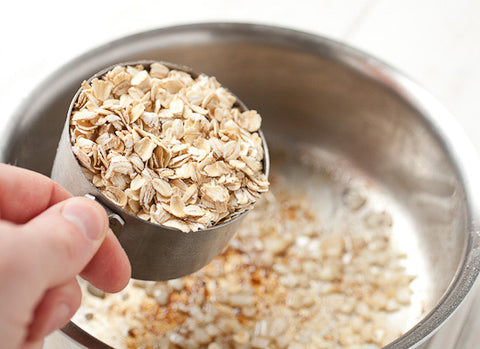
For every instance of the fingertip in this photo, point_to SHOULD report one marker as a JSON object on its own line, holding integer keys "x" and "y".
{"x": 124, "y": 273}
{"x": 110, "y": 268}
{"x": 118, "y": 271}
{"x": 68, "y": 234}
{"x": 87, "y": 215}
{"x": 121, "y": 279}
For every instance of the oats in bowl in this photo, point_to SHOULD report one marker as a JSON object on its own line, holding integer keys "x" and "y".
{"x": 298, "y": 274}
{"x": 171, "y": 148}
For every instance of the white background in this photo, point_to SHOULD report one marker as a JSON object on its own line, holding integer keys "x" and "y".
{"x": 436, "y": 42}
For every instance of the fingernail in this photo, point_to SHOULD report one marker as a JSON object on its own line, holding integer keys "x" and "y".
{"x": 60, "y": 317}
{"x": 84, "y": 218}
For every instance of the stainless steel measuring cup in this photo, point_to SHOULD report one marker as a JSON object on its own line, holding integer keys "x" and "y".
{"x": 155, "y": 252}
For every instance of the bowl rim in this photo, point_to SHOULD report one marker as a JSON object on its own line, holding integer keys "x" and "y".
{"x": 456, "y": 145}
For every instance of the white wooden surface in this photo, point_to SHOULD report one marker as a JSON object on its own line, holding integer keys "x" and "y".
{"x": 436, "y": 42}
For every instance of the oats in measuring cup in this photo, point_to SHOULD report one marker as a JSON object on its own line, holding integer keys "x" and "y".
{"x": 171, "y": 149}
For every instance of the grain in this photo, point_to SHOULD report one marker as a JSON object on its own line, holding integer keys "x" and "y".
{"x": 171, "y": 149}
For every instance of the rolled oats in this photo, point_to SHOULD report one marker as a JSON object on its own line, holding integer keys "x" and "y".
{"x": 284, "y": 282}
{"x": 169, "y": 148}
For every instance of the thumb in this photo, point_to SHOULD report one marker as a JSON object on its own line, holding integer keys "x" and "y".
{"x": 65, "y": 237}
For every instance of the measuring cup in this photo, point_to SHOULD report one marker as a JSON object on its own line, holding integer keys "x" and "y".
{"x": 156, "y": 252}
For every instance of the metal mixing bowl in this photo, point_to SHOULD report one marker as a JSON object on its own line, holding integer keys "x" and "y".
{"x": 339, "y": 100}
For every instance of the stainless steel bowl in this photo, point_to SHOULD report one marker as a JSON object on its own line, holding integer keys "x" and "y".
{"x": 338, "y": 100}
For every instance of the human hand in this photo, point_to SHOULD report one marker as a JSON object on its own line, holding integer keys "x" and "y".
{"x": 47, "y": 238}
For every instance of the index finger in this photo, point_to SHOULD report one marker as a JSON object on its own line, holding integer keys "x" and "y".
{"x": 24, "y": 194}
